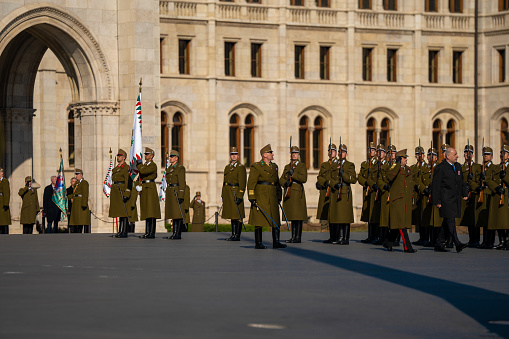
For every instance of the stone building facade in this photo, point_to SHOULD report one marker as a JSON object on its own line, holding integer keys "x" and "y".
{"x": 244, "y": 73}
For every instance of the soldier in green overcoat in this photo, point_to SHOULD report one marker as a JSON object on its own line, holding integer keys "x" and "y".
{"x": 498, "y": 182}
{"x": 5, "y": 197}
{"x": 417, "y": 208}
{"x": 322, "y": 184}
{"x": 232, "y": 194}
{"x": 187, "y": 203}
{"x": 149, "y": 199}
{"x": 341, "y": 201}
{"x": 400, "y": 205}
{"x": 264, "y": 193}
{"x": 430, "y": 213}
{"x": 30, "y": 206}
{"x": 174, "y": 204}
{"x": 131, "y": 204}
{"x": 384, "y": 187}
{"x": 80, "y": 213}
{"x": 198, "y": 207}
{"x": 482, "y": 198}
{"x": 295, "y": 174}
{"x": 368, "y": 178}
{"x": 468, "y": 169}
{"x": 120, "y": 194}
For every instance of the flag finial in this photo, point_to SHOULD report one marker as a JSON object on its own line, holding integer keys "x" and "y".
{"x": 141, "y": 83}
{"x": 60, "y": 150}
{"x": 110, "y": 152}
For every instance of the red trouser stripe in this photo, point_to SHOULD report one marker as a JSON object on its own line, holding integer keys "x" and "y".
{"x": 403, "y": 238}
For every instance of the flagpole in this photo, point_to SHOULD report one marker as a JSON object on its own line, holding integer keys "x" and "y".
{"x": 113, "y": 226}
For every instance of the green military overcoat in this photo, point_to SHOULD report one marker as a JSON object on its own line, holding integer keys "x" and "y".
{"x": 416, "y": 194}
{"x": 176, "y": 181}
{"x": 5, "y": 198}
{"x": 120, "y": 182}
{"x": 341, "y": 205}
{"x": 323, "y": 178}
{"x": 80, "y": 216}
{"x": 187, "y": 202}
{"x": 481, "y": 208}
{"x": 235, "y": 179}
{"x": 198, "y": 211}
{"x": 368, "y": 176}
{"x": 149, "y": 199}
{"x": 400, "y": 205}
{"x": 384, "y": 194}
{"x": 430, "y": 212}
{"x": 131, "y": 204}
{"x": 295, "y": 206}
{"x": 498, "y": 218}
{"x": 263, "y": 185}
{"x": 467, "y": 206}
{"x": 30, "y": 206}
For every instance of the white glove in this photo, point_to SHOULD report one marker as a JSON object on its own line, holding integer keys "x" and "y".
{"x": 138, "y": 188}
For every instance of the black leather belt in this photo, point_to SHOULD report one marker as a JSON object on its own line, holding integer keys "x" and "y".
{"x": 228, "y": 184}
{"x": 296, "y": 182}
{"x": 265, "y": 183}
{"x": 118, "y": 182}
{"x": 78, "y": 195}
{"x": 173, "y": 185}
{"x": 147, "y": 181}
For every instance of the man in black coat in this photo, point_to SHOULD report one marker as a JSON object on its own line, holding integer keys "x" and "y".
{"x": 447, "y": 189}
{"x": 51, "y": 210}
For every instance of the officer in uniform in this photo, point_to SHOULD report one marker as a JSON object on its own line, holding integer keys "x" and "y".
{"x": 483, "y": 199}
{"x": 295, "y": 174}
{"x": 198, "y": 207}
{"x": 232, "y": 194}
{"x": 368, "y": 178}
{"x": 5, "y": 197}
{"x": 30, "y": 206}
{"x": 175, "y": 194}
{"x": 401, "y": 181}
{"x": 343, "y": 175}
{"x": 120, "y": 194}
{"x": 430, "y": 213}
{"x": 264, "y": 192}
{"x": 149, "y": 199}
{"x": 498, "y": 181}
{"x": 468, "y": 169}
{"x": 384, "y": 185}
{"x": 322, "y": 184}
{"x": 80, "y": 213}
{"x": 417, "y": 206}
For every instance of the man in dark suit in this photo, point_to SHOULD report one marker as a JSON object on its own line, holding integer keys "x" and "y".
{"x": 447, "y": 189}
{"x": 51, "y": 210}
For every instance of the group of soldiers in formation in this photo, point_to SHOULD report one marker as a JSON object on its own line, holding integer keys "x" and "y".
{"x": 395, "y": 197}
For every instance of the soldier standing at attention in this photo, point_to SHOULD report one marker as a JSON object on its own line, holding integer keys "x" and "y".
{"x": 5, "y": 197}
{"x": 30, "y": 206}
{"x": 264, "y": 194}
{"x": 468, "y": 170}
{"x": 80, "y": 214}
{"x": 234, "y": 186}
{"x": 483, "y": 200}
{"x": 294, "y": 176}
{"x": 383, "y": 183}
{"x": 370, "y": 207}
{"x": 322, "y": 184}
{"x": 400, "y": 177}
{"x": 430, "y": 214}
{"x": 417, "y": 206}
{"x": 175, "y": 194}
{"x": 149, "y": 199}
{"x": 120, "y": 194}
{"x": 341, "y": 202}
{"x": 198, "y": 207}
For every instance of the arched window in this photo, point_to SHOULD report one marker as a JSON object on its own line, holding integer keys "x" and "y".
{"x": 304, "y": 140}
{"x": 235, "y": 131}
{"x": 317, "y": 143}
{"x": 70, "y": 137}
{"x": 249, "y": 141}
{"x": 371, "y": 131}
{"x": 437, "y": 137}
{"x": 385, "y": 133}
{"x": 504, "y": 132}
{"x": 177, "y": 132}
{"x": 450, "y": 137}
{"x": 164, "y": 138}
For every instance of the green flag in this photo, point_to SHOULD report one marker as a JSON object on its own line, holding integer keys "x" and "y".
{"x": 59, "y": 196}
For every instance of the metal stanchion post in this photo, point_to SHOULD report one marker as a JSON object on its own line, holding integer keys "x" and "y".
{"x": 216, "y": 216}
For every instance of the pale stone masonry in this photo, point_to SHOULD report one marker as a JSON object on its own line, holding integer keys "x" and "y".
{"x": 101, "y": 49}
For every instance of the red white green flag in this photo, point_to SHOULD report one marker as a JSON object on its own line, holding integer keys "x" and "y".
{"x": 136, "y": 151}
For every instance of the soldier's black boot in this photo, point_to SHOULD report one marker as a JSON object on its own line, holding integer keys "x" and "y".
{"x": 294, "y": 228}
{"x": 340, "y": 234}
{"x": 431, "y": 234}
{"x": 258, "y": 238}
{"x": 376, "y": 233}
{"x": 484, "y": 237}
{"x": 234, "y": 225}
{"x": 490, "y": 240}
{"x": 147, "y": 229}
{"x": 275, "y": 238}
{"x": 131, "y": 227}
{"x": 177, "y": 226}
{"x": 238, "y": 230}
{"x": 502, "y": 236}
{"x": 369, "y": 239}
{"x": 152, "y": 229}
{"x": 298, "y": 232}
{"x": 123, "y": 228}
{"x": 120, "y": 222}
{"x": 397, "y": 242}
{"x": 382, "y": 231}
{"x": 346, "y": 241}
{"x": 332, "y": 234}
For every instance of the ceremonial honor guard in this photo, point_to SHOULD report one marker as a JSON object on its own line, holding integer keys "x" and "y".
{"x": 120, "y": 194}
{"x": 322, "y": 184}
{"x": 175, "y": 195}
{"x": 430, "y": 213}
{"x": 384, "y": 185}
{"x": 265, "y": 194}
{"x": 131, "y": 204}
{"x": 232, "y": 194}
{"x": 80, "y": 213}
{"x": 400, "y": 205}
{"x": 498, "y": 181}
{"x": 5, "y": 197}
{"x": 198, "y": 207}
{"x": 343, "y": 175}
{"x": 483, "y": 199}
{"x": 30, "y": 206}
{"x": 418, "y": 206}
{"x": 295, "y": 174}
{"x": 149, "y": 199}
{"x": 370, "y": 205}
{"x": 468, "y": 170}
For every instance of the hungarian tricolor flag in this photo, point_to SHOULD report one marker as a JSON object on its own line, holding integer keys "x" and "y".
{"x": 108, "y": 181}
{"x": 59, "y": 193}
{"x": 163, "y": 185}
{"x": 136, "y": 151}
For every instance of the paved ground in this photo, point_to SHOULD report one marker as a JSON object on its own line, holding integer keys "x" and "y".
{"x": 94, "y": 286}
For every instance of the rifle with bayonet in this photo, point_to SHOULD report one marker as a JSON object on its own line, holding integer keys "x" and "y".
{"x": 340, "y": 169}
{"x": 483, "y": 176}
{"x": 469, "y": 170}
{"x": 327, "y": 194}
{"x": 420, "y": 159}
{"x": 378, "y": 155}
{"x": 431, "y": 174}
{"x": 501, "y": 202}
{"x": 289, "y": 188}
{"x": 368, "y": 189}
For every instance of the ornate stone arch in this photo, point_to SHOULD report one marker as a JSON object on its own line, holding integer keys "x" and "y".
{"x": 379, "y": 114}
{"x": 444, "y": 116}
{"x": 319, "y": 120}
{"x": 495, "y": 125}
{"x": 247, "y": 131}
{"x": 170, "y": 108}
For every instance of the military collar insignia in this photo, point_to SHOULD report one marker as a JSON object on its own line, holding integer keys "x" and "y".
{"x": 488, "y": 164}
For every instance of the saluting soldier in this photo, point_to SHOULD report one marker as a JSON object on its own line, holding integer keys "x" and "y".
{"x": 400, "y": 204}
{"x": 295, "y": 174}
{"x": 468, "y": 169}
{"x": 322, "y": 184}
{"x": 341, "y": 202}
{"x": 198, "y": 207}
{"x": 80, "y": 213}
{"x": 149, "y": 199}
{"x": 232, "y": 194}
{"x": 384, "y": 185}
{"x": 30, "y": 206}
{"x": 5, "y": 197}
{"x": 497, "y": 181}
{"x": 175, "y": 194}
{"x": 370, "y": 208}
{"x": 483, "y": 199}
{"x": 120, "y": 194}
{"x": 417, "y": 206}
{"x": 430, "y": 213}
{"x": 264, "y": 193}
